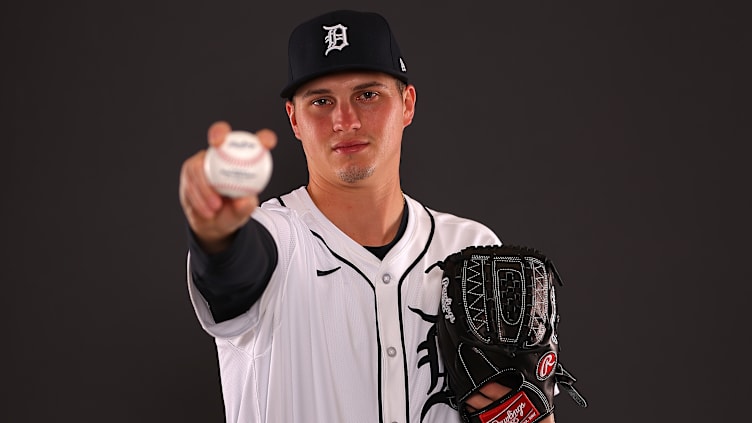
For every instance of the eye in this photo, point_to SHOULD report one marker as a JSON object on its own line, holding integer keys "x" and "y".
{"x": 321, "y": 102}
{"x": 368, "y": 95}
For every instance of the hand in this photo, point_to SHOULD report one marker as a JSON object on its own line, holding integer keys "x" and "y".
{"x": 214, "y": 218}
{"x": 489, "y": 393}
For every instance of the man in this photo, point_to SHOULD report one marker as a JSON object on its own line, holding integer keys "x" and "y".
{"x": 319, "y": 300}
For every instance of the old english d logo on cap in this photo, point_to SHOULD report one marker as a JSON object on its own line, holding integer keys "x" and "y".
{"x": 340, "y": 41}
{"x": 336, "y": 38}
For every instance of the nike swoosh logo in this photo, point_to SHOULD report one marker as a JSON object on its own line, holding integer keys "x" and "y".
{"x": 327, "y": 272}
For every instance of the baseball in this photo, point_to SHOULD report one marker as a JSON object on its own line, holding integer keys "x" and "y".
{"x": 241, "y": 166}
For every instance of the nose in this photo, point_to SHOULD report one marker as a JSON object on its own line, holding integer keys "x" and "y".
{"x": 345, "y": 117}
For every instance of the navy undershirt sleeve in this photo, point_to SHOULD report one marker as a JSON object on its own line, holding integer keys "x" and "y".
{"x": 233, "y": 280}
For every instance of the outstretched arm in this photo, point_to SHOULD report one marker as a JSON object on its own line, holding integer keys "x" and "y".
{"x": 215, "y": 219}
{"x": 221, "y": 231}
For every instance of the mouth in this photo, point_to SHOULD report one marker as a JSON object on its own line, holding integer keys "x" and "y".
{"x": 349, "y": 147}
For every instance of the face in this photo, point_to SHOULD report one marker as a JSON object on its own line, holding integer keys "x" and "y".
{"x": 350, "y": 126}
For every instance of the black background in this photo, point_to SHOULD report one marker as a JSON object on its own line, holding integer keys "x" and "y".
{"x": 611, "y": 135}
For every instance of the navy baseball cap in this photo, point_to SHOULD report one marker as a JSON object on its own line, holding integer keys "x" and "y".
{"x": 339, "y": 41}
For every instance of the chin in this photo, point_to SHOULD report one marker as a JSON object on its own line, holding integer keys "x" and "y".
{"x": 354, "y": 174}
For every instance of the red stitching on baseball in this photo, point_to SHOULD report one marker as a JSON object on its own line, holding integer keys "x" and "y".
{"x": 241, "y": 162}
{"x": 220, "y": 187}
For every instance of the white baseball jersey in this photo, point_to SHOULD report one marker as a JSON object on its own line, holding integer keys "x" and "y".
{"x": 339, "y": 335}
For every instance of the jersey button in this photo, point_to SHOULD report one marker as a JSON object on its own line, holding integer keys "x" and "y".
{"x": 391, "y": 351}
{"x": 386, "y": 278}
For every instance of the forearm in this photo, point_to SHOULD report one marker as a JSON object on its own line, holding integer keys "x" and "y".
{"x": 233, "y": 280}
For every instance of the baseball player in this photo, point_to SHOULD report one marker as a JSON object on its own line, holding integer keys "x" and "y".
{"x": 322, "y": 301}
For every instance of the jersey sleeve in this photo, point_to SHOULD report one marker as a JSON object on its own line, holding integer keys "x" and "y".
{"x": 237, "y": 316}
{"x": 232, "y": 281}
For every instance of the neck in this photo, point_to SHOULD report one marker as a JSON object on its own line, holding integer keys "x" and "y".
{"x": 370, "y": 216}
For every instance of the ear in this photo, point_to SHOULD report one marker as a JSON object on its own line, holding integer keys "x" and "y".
{"x": 290, "y": 108}
{"x": 409, "y": 98}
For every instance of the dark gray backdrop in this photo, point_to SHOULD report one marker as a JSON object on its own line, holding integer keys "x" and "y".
{"x": 610, "y": 135}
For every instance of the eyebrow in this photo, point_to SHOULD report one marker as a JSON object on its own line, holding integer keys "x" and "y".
{"x": 322, "y": 91}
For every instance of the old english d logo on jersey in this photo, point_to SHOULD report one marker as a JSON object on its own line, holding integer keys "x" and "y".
{"x": 517, "y": 409}
{"x": 336, "y": 38}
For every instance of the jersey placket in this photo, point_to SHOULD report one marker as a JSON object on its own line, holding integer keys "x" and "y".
{"x": 393, "y": 376}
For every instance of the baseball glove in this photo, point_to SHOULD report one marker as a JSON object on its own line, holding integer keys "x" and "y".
{"x": 499, "y": 325}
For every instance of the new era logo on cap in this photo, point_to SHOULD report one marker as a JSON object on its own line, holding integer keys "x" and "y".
{"x": 339, "y": 41}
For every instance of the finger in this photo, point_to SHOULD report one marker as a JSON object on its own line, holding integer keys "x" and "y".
{"x": 187, "y": 191}
{"x": 196, "y": 209}
{"x": 193, "y": 206}
{"x": 494, "y": 391}
{"x": 243, "y": 207}
{"x": 217, "y": 133}
{"x": 476, "y": 402}
{"x": 207, "y": 192}
{"x": 268, "y": 138}
{"x": 206, "y": 199}
{"x": 487, "y": 394}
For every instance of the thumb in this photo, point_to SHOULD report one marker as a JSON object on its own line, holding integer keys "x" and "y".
{"x": 242, "y": 207}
